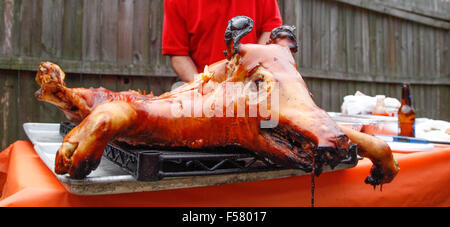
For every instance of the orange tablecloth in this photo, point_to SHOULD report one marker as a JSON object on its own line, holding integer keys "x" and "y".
{"x": 424, "y": 180}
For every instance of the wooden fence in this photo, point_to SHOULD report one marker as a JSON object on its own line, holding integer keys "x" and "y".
{"x": 345, "y": 46}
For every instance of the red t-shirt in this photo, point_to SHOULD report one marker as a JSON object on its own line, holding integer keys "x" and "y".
{"x": 197, "y": 27}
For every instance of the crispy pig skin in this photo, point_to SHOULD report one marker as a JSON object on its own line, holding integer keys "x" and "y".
{"x": 304, "y": 137}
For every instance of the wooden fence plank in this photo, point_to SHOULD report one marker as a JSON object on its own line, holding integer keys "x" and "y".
{"x": 141, "y": 37}
{"x": 9, "y": 107}
{"x": 416, "y": 51}
{"x": 430, "y": 53}
{"x": 316, "y": 34}
{"x": 51, "y": 37}
{"x": 125, "y": 28}
{"x": 28, "y": 106}
{"x": 443, "y": 93}
{"x": 3, "y": 5}
{"x": 334, "y": 38}
{"x": 109, "y": 32}
{"x": 156, "y": 18}
{"x": 36, "y": 28}
{"x": 324, "y": 36}
{"x": 26, "y": 31}
{"x": 299, "y": 25}
{"x": 365, "y": 42}
{"x": 442, "y": 53}
{"x": 350, "y": 38}
{"x": 403, "y": 69}
{"x": 422, "y": 56}
{"x": 91, "y": 31}
{"x": 395, "y": 37}
{"x": 12, "y": 18}
{"x": 3, "y": 111}
{"x": 387, "y": 47}
{"x": 72, "y": 29}
{"x": 307, "y": 33}
{"x": 409, "y": 50}
{"x": 357, "y": 43}
{"x": 438, "y": 39}
{"x": 342, "y": 66}
{"x": 109, "y": 82}
{"x": 372, "y": 49}
{"x": 289, "y": 10}
{"x": 379, "y": 46}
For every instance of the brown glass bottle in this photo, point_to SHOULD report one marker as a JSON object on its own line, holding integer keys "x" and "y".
{"x": 406, "y": 114}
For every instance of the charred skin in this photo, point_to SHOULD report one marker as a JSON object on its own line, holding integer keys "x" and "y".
{"x": 304, "y": 137}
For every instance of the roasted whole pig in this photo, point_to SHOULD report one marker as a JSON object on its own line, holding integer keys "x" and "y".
{"x": 254, "y": 99}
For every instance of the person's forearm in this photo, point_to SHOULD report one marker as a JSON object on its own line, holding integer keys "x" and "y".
{"x": 184, "y": 67}
{"x": 265, "y": 36}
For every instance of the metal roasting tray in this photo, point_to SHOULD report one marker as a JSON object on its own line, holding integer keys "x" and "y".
{"x": 372, "y": 124}
{"x": 125, "y": 169}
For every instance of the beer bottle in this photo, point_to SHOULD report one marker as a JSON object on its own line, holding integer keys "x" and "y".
{"x": 406, "y": 114}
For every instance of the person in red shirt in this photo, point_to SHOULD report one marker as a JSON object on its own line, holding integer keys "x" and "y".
{"x": 193, "y": 30}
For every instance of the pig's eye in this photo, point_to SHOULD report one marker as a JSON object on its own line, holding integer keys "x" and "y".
{"x": 258, "y": 80}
